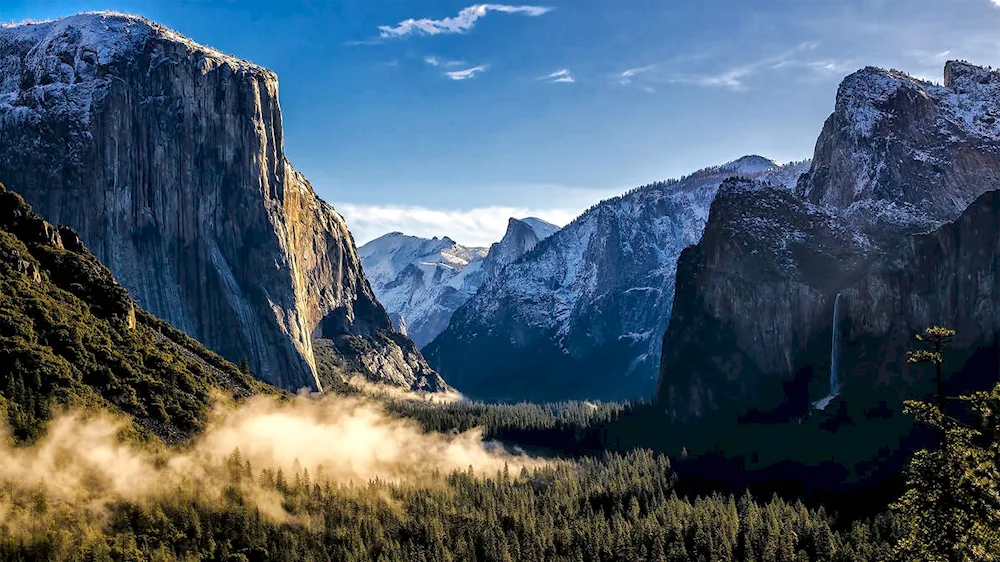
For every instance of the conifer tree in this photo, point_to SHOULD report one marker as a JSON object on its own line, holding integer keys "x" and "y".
{"x": 951, "y": 508}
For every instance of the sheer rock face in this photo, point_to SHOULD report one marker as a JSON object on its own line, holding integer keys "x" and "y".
{"x": 167, "y": 157}
{"x": 521, "y": 237}
{"x": 750, "y": 297}
{"x": 948, "y": 277}
{"x": 581, "y": 314}
{"x": 752, "y": 322}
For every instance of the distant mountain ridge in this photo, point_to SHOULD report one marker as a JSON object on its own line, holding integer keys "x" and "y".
{"x": 168, "y": 158}
{"x": 581, "y": 314}
{"x": 421, "y": 282}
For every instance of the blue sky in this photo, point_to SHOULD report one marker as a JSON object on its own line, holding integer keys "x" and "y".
{"x": 449, "y": 124}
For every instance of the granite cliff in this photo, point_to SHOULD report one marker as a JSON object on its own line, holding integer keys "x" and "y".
{"x": 167, "y": 157}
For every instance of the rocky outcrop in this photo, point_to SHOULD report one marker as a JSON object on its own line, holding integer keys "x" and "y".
{"x": 899, "y": 155}
{"x": 751, "y": 298}
{"x": 167, "y": 157}
{"x": 581, "y": 314}
{"x": 521, "y": 237}
{"x": 751, "y": 331}
{"x": 947, "y": 277}
{"x": 69, "y": 264}
{"x": 71, "y": 336}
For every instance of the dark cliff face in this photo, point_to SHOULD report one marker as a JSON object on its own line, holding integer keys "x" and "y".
{"x": 948, "y": 277}
{"x": 752, "y": 326}
{"x": 167, "y": 157}
{"x": 750, "y": 297}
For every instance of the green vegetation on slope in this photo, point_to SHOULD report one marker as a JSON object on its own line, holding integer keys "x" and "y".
{"x": 71, "y": 336}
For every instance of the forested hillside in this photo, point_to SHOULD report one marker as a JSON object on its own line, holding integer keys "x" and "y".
{"x": 70, "y": 336}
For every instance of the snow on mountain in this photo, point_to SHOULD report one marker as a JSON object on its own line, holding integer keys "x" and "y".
{"x": 422, "y": 282}
{"x": 68, "y": 59}
{"x": 582, "y": 314}
{"x": 858, "y": 173}
{"x": 521, "y": 237}
{"x": 749, "y": 165}
{"x": 541, "y": 228}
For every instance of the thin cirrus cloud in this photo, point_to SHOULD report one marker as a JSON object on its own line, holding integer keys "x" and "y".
{"x": 561, "y": 76}
{"x": 626, "y": 76}
{"x": 436, "y": 61}
{"x": 475, "y": 227}
{"x": 464, "y": 21}
{"x": 466, "y": 74}
{"x": 735, "y": 78}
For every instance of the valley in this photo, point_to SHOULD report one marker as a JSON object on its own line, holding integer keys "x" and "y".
{"x": 199, "y": 362}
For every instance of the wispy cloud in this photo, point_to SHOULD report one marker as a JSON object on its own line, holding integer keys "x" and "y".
{"x": 435, "y": 61}
{"x": 626, "y": 76}
{"x": 466, "y": 73}
{"x": 363, "y": 42}
{"x": 996, "y": 2}
{"x": 476, "y": 227}
{"x": 735, "y": 78}
{"x": 464, "y": 21}
{"x": 561, "y": 76}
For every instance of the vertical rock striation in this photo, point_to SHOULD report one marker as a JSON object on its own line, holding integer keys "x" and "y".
{"x": 168, "y": 158}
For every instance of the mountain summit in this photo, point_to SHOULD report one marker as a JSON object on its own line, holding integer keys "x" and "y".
{"x": 168, "y": 158}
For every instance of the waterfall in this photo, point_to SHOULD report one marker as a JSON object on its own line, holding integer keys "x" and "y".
{"x": 834, "y": 358}
{"x": 835, "y": 349}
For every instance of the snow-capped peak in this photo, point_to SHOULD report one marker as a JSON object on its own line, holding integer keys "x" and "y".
{"x": 423, "y": 281}
{"x": 888, "y": 125}
{"x": 541, "y": 228}
{"x": 751, "y": 164}
{"x": 103, "y": 34}
{"x": 62, "y": 66}
{"x": 97, "y": 38}
{"x": 590, "y": 303}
